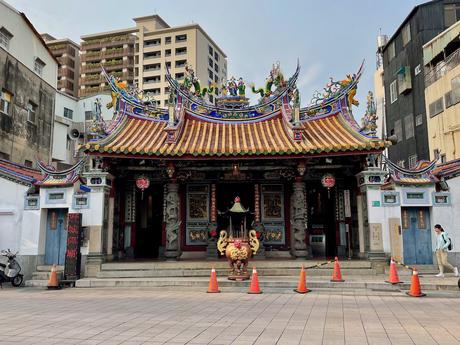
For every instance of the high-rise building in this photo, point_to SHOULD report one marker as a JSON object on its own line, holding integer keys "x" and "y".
{"x": 114, "y": 50}
{"x": 404, "y": 81}
{"x": 142, "y": 53}
{"x": 67, "y": 52}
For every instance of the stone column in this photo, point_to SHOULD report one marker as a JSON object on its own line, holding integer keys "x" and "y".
{"x": 211, "y": 249}
{"x": 172, "y": 221}
{"x": 298, "y": 245}
{"x": 258, "y": 226}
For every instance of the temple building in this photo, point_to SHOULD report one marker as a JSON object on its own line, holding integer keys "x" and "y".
{"x": 166, "y": 177}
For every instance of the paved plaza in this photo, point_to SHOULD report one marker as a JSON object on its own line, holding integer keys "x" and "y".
{"x": 154, "y": 316}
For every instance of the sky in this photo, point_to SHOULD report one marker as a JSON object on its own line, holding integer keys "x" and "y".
{"x": 330, "y": 38}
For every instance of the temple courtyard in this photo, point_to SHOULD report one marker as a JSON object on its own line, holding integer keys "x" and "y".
{"x": 191, "y": 316}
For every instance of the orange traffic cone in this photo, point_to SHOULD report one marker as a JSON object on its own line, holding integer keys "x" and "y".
{"x": 254, "y": 288}
{"x": 302, "y": 286}
{"x": 337, "y": 275}
{"x": 393, "y": 277}
{"x": 53, "y": 283}
{"x": 415, "y": 289}
{"x": 213, "y": 286}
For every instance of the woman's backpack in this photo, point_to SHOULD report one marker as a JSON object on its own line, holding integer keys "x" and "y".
{"x": 449, "y": 247}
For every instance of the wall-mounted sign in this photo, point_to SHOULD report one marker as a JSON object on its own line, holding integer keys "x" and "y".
{"x": 375, "y": 203}
{"x": 72, "y": 254}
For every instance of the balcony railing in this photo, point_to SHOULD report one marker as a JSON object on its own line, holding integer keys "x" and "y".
{"x": 108, "y": 42}
{"x": 88, "y": 91}
{"x": 442, "y": 68}
{"x": 92, "y": 67}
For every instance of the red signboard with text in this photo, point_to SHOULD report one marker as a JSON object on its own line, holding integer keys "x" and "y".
{"x": 72, "y": 254}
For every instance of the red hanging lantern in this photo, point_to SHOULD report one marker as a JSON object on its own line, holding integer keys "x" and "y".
{"x": 142, "y": 183}
{"x": 328, "y": 181}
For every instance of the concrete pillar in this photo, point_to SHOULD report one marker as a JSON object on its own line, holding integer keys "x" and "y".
{"x": 298, "y": 215}
{"x": 172, "y": 221}
{"x": 98, "y": 225}
{"x": 369, "y": 182}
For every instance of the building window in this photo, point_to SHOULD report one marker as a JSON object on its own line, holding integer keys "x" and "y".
{"x": 436, "y": 107}
{"x": 211, "y": 76}
{"x": 210, "y": 62}
{"x": 38, "y": 66}
{"x": 5, "y": 37}
{"x": 455, "y": 90}
{"x": 216, "y": 56}
{"x": 168, "y": 40}
{"x": 216, "y": 79}
{"x": 211, "y": 51}
{"x": 68, "y": 113}
{"x": 4, "y": 155}
{"x": 417, "y": 69}
{"x": 216, "y": 68}
{"x": 88, "y": 115}
{"x": 168, "y": 64}
{"x": 398, "y": 130}
{"x": 179, "y": 76}
{"x": 180, "y": 63}
{"x": 448, "y": 99}
{"x": 419, "y": 120}
{"x": 406, "y": 34}
{"x": 393, "y": 92}
{"x": 181, "y": 51}
{"x": 451, "y": 14}
{"x": 28, "y": 163}
{"x": 404, "y": 80}
{"x": 168, "y": 52}
{"x": 391, "y": 51}
{"x": 181, "y": 38}
{"x": 412, "y": 161}
{"x": 5, "y": 102}
{"x": 409, "y": 126}
{"x": 31, "y": 112}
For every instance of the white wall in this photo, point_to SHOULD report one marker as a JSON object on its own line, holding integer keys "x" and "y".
{"x": 25, "y": 45}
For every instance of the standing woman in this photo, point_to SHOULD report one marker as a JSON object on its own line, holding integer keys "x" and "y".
{"x": 442, "y": 243}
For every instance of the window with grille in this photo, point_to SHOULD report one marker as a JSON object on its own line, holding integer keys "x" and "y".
{"x": 412, "y": 161}
{"x": 436, "y": 107}
{"x": 398, "y": 130}
{"x": 5, "y": 102}
{"x": 5, "y": 37}
{"x": 68, "y": 113}
{"x": 88, "y": 115}
{"x": 31, "y": 112}
{"x": 406, "y": 34}
{"x": 393, "y": 92}
{"x": 39, "y": 65}
{"x": 409, "y": 126}
{"x": 419, "y": 120}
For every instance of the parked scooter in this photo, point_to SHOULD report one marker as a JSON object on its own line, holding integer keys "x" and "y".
{"x": 10, "y": 272}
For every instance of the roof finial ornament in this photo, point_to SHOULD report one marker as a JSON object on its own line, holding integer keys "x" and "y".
{"x": 369, "y": 120}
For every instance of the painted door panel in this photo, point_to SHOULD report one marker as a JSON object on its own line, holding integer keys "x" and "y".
{"x": 416, "y": 236}
{"x": 56, "y": 237}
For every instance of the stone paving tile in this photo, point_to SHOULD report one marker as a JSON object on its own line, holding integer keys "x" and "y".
{"x": 143, "y": 316}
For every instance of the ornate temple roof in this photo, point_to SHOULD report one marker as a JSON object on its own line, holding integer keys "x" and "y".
{"x": 19, "y": 173}
{"x": 262, "y": 138}
{"x": 53, "y": 178}
{"x": 275, "y": 126}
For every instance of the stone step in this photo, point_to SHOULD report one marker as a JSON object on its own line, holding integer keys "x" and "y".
{"x": 224, "y": 271}
{"x": 38, "y": 275}
{"x": 47, "y": 268}
{"x": 222, "y": 264}
{"x": 422, "y": 269}
{"x": 281, "y": 283}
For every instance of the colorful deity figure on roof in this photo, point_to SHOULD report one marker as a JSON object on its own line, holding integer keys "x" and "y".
{"x": 190, "y": 80}
{"x": 369, "y": 120}
{"x": 241, "y": 88}
{"x": 232, "y": 87}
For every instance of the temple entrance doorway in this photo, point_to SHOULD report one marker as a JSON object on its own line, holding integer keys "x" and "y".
{"x": 322, "y": 225}
{"x": 149, "y": 222}
{"x": 226, "y": 194}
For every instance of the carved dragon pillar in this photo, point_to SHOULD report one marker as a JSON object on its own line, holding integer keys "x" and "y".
{"x": 172, "y": 221}
{"x": 298, "y": 245}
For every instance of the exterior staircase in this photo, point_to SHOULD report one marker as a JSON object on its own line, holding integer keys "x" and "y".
{"x": 42, "y": 274}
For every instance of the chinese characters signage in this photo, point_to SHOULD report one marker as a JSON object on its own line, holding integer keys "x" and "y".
{"x": 72, "y": 255}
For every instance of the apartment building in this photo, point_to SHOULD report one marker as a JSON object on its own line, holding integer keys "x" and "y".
{"x": 159, "y": 46}
{"x": 114, "y": 50}
{"x": 404, "y": 81}
{"x": 141, "y": 54}
{"x": 67, "y": 52}
{"x": 28, "y": 80}
{"x": 441, "y": 57}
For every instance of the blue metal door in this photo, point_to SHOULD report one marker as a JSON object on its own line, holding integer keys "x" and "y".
{"x": 416, "y": 236}
{"x": 56, "y": 236}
